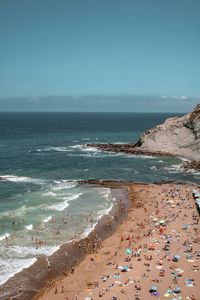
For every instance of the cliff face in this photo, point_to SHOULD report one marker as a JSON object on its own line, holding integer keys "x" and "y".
{"x": 178, "y": 136}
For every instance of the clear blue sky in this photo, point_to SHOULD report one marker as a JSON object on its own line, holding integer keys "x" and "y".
{"x": 100, "y": 47}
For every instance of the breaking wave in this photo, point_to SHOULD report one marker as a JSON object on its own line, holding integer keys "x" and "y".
{"x": 17, "y": 258}
{"x": 61, "y": 206}
{"x": 51, "y": 148}
{"x": 4, "y": 236}
{"x": 14, "y": 178}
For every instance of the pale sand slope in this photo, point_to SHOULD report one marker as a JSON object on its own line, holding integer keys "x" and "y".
{"x": 150, "y": 202}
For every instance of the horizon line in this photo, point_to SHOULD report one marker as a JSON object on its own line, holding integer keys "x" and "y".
{"x": 162, "y": 96}
{"x": 90, "y": 112}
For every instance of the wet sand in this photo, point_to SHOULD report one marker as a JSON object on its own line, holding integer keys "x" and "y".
{"x": 154, "y": 253}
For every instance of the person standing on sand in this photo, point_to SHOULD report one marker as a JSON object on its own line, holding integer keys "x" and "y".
{"x": 48, "y": 265}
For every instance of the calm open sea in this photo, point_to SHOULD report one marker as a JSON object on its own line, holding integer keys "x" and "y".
{"x": 41, "y": 159}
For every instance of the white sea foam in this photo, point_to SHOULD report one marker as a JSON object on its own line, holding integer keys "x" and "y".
{"x": 61, "y": 206}
{"x": 49, "y": 194}
{"x": 29, "y": 251}
{"x": 86, "y": 155}
{"x": 139, "y": 156}
{"x": 90, "y": 228}
{"x": 91, "y": 149}
{"x": 4, "y": 236}
{"x": 106, "y": 211}
{"x": 29, "y": 227}
{"x": 173, "y": 169}
{"x": 47, "y": 219}
{"x": 98, "y": 153}
{"x": 154, "y": 168}
{"x": 10, "y": 267}
{"x": 180, "y": 169}
{"x": 77, "y": 147}
{"x": 193, "y": 171}
{"x": 184, "y": 159}
{"x": 58, "y": 149}
{"x": 16, "y": 258}
{"x": 105, "y": 193}
{"x": 85, "y": 148}
{"x": 14, "y": 178}
{"x": 64, "y": 184}
{"x": 93, "y": 152}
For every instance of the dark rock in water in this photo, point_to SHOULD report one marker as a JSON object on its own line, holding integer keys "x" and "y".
{"x": 178, "y": 136}
{"x": 188, "y": 165}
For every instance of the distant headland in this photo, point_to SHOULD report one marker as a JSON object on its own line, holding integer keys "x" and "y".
{"x": 177, "y": 136}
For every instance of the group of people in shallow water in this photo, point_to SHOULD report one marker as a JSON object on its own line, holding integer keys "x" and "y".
{"x": 87, "y": 245}
{"x": 54, "y": 225}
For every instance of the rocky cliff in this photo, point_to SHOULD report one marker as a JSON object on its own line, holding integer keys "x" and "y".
{"x": 179, "y": 136}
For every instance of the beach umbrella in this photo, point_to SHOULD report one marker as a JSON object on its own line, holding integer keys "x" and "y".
{"x": 128, "y": 251}
{"x": 177, "y": 290}
{"x": 153, "y": 289}
{"x": 185, "y": 226}
{"x": 124, "y": 268}
{"x": 194, "y": 192}
{"x": 176, "y": 258}
{"x": 162, "y": 222}
{"x": 189, "y": 282}
{"x": 196, "y": 195}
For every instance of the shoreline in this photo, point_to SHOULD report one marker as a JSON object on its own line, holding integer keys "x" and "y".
{"x": 93, "y": 276}
{"x": 128, "y": 149}
{"x": 134, "y": 149}
{"x": 25, "y": 284}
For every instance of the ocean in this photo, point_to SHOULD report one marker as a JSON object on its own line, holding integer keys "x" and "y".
{"x": 42, "y": 157}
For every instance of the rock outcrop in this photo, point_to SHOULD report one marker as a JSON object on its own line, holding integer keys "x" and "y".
{"x": 194, "y": 165}
{"x": 178, "y": 136}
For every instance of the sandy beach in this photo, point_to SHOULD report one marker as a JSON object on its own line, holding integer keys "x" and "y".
{"x": 153, "y": 253}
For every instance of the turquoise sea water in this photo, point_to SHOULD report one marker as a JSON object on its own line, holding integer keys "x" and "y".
{"x": 42, "y": 156}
